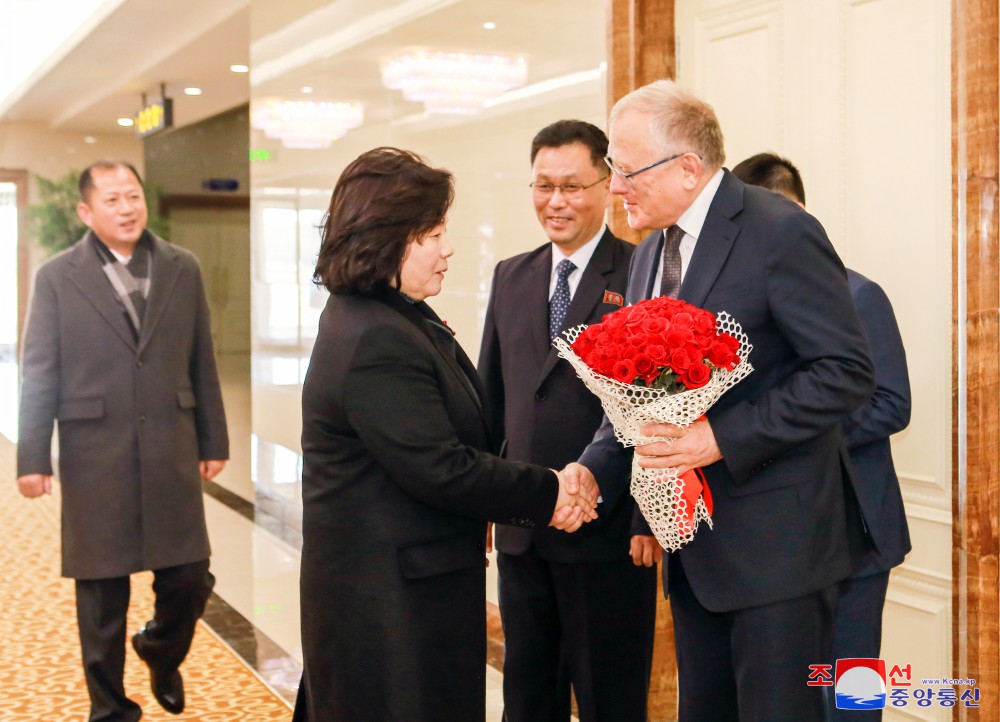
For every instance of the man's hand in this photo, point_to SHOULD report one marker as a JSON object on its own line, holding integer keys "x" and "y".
{"x": 692, "y": 447}
{"x": 645, "y": 550}
{"x": 577, "y": 498}
{"x": 211, "y": 468}
{"x": 34, "y": 485}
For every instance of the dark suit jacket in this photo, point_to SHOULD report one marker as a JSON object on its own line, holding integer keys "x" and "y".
{"x": 781, "y": 530}
{"x": 135, "y": 417}
{"x": 397, "y": 491}
{"x": 537, "y": 401}
{"x": 867, "y": 430}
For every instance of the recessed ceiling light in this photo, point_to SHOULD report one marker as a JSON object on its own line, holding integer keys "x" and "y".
{"x": 489, "y": 25}
{"x": 126, "y": 122}
{"x": 307, "y": 89}
{"x": 192, "y": 91}
{"x": 89, "y": 139}
{"x": 239, "y": 68}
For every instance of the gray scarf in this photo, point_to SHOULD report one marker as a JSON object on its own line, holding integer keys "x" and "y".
{"x": 130, "y": 281}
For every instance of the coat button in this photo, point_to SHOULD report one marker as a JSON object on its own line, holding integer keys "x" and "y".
{"x": 138, "y": 364}
{"x": 142, "y": 419}
{"x": 539, "y": 396}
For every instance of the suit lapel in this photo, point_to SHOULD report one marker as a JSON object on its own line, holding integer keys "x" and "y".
{"x": 716, "y": 241}
{"x": 535, "y": 302}
{"x": 589, "y": 293}
{"x": 165, "y": 272}
{"x": 644, "y": 264}
{"x": 93, "y": 284}
{"x": 454, "y": 357}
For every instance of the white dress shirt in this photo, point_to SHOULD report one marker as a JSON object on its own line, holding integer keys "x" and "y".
{"x": 580, "y": 258}
{"x": 691, "y": 222}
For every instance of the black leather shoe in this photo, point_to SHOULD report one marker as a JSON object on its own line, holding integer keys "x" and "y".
{"x": 168, "y": 687}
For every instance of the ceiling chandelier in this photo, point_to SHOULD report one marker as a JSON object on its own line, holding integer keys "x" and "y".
{"x": 453, "y": 82}
{"x": 306, "y": 124}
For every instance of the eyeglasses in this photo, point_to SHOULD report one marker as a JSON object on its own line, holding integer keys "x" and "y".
{"x": 627, "y": 177}
{"x": 569, "y": 190}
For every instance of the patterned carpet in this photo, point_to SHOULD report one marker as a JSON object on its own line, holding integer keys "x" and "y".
{"x": 43, "y": 680}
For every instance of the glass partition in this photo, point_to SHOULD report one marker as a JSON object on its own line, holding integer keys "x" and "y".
{"x": 465, "y": 83}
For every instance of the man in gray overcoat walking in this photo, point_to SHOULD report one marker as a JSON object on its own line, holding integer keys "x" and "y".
{"x": 118, "y": 350}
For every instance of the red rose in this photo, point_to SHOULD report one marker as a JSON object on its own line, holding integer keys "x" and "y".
{"x": 654, "y": 325}
{"x": 682, "y": 319}
{"x": 658, "y": 352}
{"x": 624, "y": 371}
{"x": 680, "y": 361}
{"x": 613, "y": 321}
{"x": 637, "y": 340}
{"x": 636, "y": 315}
{"x": 722, "y": 356}
{"x": 731, "y": 341}
{"x": 645, "y": 367}
{"x": 584, "y": 344}
{"x": 604, "y": 341}
{"x": 704, "y": 323}
{"x": 696, "y": 376}
{"x": 677, "y": 337}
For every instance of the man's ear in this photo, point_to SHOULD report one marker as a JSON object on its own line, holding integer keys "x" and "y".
{"x": 693, "y": 170}
{"x": 83, "y": 210}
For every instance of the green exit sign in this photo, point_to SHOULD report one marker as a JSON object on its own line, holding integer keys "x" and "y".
{"x": 260, "y": 155}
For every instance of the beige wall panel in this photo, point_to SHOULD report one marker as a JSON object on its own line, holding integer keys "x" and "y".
{"x": 896, "y": 117}
{"x": 734, "y": 58}
{"x": 857, "y": 94}
{"x": 918, "y": 635}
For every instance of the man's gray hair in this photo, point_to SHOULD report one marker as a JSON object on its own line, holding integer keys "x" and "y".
{"x": 677, "y": 118}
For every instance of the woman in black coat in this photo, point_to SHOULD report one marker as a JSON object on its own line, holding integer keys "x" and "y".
{"x": 399, "y": 480}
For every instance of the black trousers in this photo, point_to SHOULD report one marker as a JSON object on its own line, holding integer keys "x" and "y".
{"x": 750, "y": 665}
{"x": 588, "y": 625}
{"x": 101, "y": 608}
{"x": 858, "y": 633}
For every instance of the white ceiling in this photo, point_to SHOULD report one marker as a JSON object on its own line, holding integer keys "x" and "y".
{"x": 334, "y": 46}
{"x": 138, "y": 46}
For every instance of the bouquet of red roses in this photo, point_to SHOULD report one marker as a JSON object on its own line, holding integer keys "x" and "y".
{"x": 660, "y": 361}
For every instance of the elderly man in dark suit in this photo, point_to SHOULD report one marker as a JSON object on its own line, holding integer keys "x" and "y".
{"x": 753, "y": 598}
{"x": 858, "y": 625}
{"x": 575, "y": 610}
{"x": 118, "y": 351}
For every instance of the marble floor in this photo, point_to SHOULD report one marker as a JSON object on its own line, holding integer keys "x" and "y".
{"x": 254, "y": 514}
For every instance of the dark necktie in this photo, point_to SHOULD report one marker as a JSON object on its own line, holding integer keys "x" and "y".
{"x": 670, "y": 281}
{"x": 560, "y": 299}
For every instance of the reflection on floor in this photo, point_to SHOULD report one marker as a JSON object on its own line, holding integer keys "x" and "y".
{"x": 254, "y": 513}
{"x": 40, "y": 672}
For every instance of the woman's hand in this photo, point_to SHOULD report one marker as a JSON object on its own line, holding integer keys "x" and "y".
{"x": 577, "y": 500}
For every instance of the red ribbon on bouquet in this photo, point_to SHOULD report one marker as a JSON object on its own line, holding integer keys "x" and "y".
{"x": 695, "y": 485}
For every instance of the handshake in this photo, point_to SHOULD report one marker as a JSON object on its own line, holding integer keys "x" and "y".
{"x": 578, "y": 498}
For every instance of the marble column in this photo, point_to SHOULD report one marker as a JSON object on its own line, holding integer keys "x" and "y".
{"x": 976, "y": 351}
{"x": 641, "y": 50}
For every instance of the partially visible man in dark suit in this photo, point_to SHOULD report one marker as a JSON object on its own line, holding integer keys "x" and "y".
{"x": 858, "y": 624}
{"x": 753, "y": 598}
{"x": 118, "y": 350}
{"x": 575, "y": 610}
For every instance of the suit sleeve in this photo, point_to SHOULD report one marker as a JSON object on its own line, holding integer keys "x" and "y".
{"x": 809, "y": 301}
{"x": 887, "y": 411}
{"x": 608, "y": 460}
{"x": 40, "y": 380}
{"x": 393, "y": 400}
{"x": 490, "y": 365}
{"x": 210, "y": 415}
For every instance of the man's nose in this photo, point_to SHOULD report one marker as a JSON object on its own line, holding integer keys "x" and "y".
{"x": 558, "y": 198}
{"x": 619, "y": 186}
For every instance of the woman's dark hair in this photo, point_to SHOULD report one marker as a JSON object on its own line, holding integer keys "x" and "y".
{"x": 384, "y": 199}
